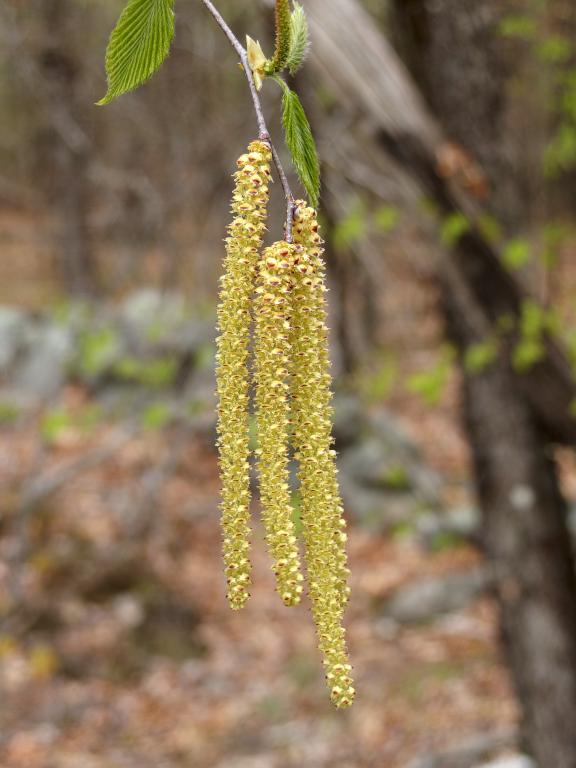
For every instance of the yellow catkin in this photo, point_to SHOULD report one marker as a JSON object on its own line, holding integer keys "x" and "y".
{"x": 320, "y": 505}
{"x": 243, "y": 244}
{"x": 272, "y": 358}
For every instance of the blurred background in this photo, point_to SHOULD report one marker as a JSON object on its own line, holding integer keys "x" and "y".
{"x": 447, "y": 135}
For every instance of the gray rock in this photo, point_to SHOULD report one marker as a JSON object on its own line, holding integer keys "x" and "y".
{"x": 13, "y": 327}
{"x": 514, "y": 761}
{"x": 147, "y": 310}
{"x": 153, "y": 319}
{"x": 459, "y": 523}
{"x": 44, "y": 362}
{"x": 390, "y": 433}
{"x": 383, "y": 485}
{"x": 467, "y": 754}
{"x": 376, "y": 465}
{"x": 374, "y": 509}
{"x": 426, "y": 600}
{"x": 349, "y": 420}
{"x": 155, "y": 325}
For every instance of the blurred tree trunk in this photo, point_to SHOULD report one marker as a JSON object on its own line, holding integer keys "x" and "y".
{"x": 527, "y": 542}
{"x": 453, "y": 46}
{"x": 511, "y": 417}
{"x": 66, "y": 146}
{"x": 453, "y": 52}
{"x": 362, "y": 71}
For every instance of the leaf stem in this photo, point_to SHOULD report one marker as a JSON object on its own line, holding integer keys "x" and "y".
{"x": 262, "y": 128}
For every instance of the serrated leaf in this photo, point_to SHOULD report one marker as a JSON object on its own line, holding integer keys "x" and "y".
{"x": 300, "y": 142}
{"x": 299, "y": 39}
{"x": 138, "y": 45}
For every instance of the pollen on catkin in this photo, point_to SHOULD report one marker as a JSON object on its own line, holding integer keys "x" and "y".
{"x": 320, "y": 505}
{"x": 272, "y": 354}
{"x": 243, "y": 244}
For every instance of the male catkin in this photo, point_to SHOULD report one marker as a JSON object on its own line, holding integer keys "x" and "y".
{"x": 243, "y": 244}
{"x": 272, "y": 359}
{"x": 320, "y": 505}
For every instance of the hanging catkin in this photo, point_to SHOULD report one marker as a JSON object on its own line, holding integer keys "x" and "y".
{"x": 245, "y": 234}
{"x": 320, "y": 505}
{"x": 272, "y": 352}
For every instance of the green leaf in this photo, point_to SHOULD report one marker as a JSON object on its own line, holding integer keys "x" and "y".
{"x": 516, "y": 254}
{"x": 560, "y": 155}
{"x": 554, "y": 50}
{"x": 97, "y": 351}
{"x": 53, "y": 423}
{"x": 553, "y": 237}
{"x": 454, "y": 226}
{"x": 377, "y": 383}
{"x": 300, "y": 142}
{"x": 480, "y": 356}
{"x": 431, "y": 384}
{"x": 9, "y": 414}
{"x": 156, "y": 416}
{"x": 351, "y": 229}
{"x": 518, "y": 26}
{"x": 534, "y": 322}
{"x": 386, "y": 219}
{"x": 138, "y": 45}
{"x": 299, "y": 39}
{"x": 490, "y": 227}
{"x": 527, "y": 354}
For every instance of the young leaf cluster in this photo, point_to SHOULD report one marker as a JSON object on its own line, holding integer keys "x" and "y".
{"x": 292, "y": 44}
{"x": 299, "y": 39}
{"x": 292, "y": 39}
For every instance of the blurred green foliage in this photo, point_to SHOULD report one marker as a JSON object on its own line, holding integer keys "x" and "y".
{"x": 480, "y": 356}
{"x": 431, "y": 384}
{"x": 516, "y": 254}
{"x": 453, "y": 228}
{"x": 361, "y": 221}
{"x": 556, "y": 52}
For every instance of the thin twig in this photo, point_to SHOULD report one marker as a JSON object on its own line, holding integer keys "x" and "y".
{"x": 262, "y": 128}
{"x": 291, "y": 205}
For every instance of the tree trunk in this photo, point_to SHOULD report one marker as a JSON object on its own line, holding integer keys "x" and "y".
{"x": 364, "y": 73}
{"x": 68, "y": 150}
{"x": 455, "y": 56}
{"x": 524, "y": 516}
{"x": 511, "y": 418}
{"x": 528, "y": 546}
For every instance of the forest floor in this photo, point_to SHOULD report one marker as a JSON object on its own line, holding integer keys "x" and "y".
{"x": 118, "y": 649}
